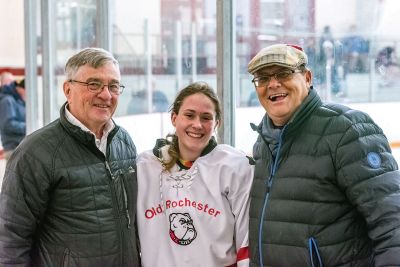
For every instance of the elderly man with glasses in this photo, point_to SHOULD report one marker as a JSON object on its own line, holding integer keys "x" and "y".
{"x": 69, "y": 190}
{"x": 326, "y": 189}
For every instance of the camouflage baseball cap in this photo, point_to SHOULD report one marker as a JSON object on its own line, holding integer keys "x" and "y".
{"x": 285, "y": 55}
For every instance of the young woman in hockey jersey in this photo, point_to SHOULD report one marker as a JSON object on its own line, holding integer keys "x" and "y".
{"x": 193, "y": 197}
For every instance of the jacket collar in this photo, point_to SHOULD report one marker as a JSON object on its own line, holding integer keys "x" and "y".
{"x": 310, "y": 103}
{"x": 160, "y": 149}
{"x": 86, "y": 138}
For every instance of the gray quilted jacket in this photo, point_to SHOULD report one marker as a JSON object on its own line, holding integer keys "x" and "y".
{"x": 63, "y": 203}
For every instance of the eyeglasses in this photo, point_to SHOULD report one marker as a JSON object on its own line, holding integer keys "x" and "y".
{"x": 97, "y": 87}
{"x": 281, "y": 76}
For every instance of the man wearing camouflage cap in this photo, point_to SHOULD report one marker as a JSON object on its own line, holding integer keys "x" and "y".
{"x": 326, "y": 190}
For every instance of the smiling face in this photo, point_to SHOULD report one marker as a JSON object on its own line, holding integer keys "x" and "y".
{"x": 281, "y": 99}
{"x": 194, "y": 124}
{"x": 92, "y": 109}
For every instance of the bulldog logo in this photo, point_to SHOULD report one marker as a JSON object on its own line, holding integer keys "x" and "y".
{"x": 181, "y": 228}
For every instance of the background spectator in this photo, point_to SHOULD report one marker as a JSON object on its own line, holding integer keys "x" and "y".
{"x": 329, "y": 62}
{"x": 12, "y": 119}
{"x": 386, "y": 57}
{"x": 356, "y": 50}
{"x": 387, "y": 67}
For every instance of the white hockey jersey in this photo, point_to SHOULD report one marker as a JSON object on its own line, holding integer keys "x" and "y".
{"x": 195, "y": 217}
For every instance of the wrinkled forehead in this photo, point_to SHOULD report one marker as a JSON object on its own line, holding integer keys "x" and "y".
{"x": 269, "y": 70}
{"x": 108, "y": 70}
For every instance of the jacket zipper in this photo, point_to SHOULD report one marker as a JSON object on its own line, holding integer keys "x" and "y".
{"x": 66, "y": 257}
{"x": 126, "y": 202}
{"x": 274, "y": 166}
{"x": 114, "y": 195}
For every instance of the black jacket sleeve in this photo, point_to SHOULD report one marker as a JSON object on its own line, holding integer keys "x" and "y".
{"x": 22, "y": 203}
{"x": 368, "y": 173}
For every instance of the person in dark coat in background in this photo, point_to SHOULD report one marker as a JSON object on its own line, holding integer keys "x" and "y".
{"x": 326, "y": 188}
{"x": 69, "y": 192}
{"x": 12, "y": 118}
